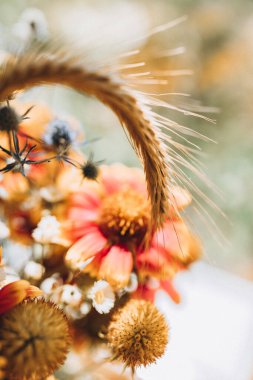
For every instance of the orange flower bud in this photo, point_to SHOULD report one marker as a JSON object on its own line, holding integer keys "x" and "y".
{"x": 15, "y": 292}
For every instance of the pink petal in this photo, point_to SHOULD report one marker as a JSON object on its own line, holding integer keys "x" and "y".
{"x": 171, "y": 291}
{"x": 117, "y": 177}
{"x": 93, "y": 267}
{"x": 145, "y": 293}
{"x": 86, "y": 199}
{"x": 86, "y": 247}
{"x": 153, "y": 259}
{"x": 80, "y": 222}
{"x": 116, "y": 266}
{"x": 173, "y": 238}
{"x": 82, "y": 215}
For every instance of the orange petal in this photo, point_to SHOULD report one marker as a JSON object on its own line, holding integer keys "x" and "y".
{"x": 145, "y": 293}
{"x": 117, "y": 177}
{"x": 156, "y": 263}
{"x": 171, "y": 291}
{"x": 174, "y": 238}
{"x": 116, "y": 266}
{"x": 33, "y": 291}
{"x": 88, "y": 246}
{"x": 15, "y": 292}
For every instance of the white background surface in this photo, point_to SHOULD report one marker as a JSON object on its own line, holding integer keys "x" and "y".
{"x": 211, "y": 331}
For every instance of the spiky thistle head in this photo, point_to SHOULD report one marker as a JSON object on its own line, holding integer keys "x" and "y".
{"x": 137, "y": 334}
{"x": 90, "y": 169}
{"x": 35, "y": 339}
{"x": 59, "y": 135}
{"x": 10, "y": 119}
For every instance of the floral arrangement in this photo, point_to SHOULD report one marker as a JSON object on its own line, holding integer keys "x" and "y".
{"x": 101, "y": 240}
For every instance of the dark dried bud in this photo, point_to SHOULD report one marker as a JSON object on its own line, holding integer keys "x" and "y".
{"x": 9, "y": 119}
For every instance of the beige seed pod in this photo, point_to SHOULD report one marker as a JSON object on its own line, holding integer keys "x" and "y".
{"x": 35, "y": 339}
{"x": 137, "y": 334}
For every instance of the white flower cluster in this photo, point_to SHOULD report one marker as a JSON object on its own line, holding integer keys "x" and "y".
{"x": 75, "y": 302}
{"x": 48, "y": 230}
{"x": 34, "y": 271}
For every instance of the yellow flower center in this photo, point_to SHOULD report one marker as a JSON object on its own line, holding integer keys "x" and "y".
{"x": 125, "y": 216}
{"x": 99, "y": 297}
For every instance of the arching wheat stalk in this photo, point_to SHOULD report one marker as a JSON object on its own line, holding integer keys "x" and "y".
{"x": 161, "y": 156}
{"x": 35, "y": 69}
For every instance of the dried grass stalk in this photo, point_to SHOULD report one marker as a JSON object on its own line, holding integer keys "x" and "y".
{"x": 37, "y": 68}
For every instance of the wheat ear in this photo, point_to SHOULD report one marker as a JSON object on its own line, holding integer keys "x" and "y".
{"x": 31, "y": 69}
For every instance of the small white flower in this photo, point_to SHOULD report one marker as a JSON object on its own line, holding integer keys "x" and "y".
{"x": 72, "y": 312}
{"x": 4, "y": 231}
{"x": 55, "y": 296}
{"x": 51, "y": 194}
{"x": 34, "y": 270}
{"x": 132, "y": 284}
{"x": 102, "y": 296}
{"x": 85, "y": 308}
{"x": 49, "y": 284}
{"x": 48, "y": 230}
{"x": 71, "y": 295}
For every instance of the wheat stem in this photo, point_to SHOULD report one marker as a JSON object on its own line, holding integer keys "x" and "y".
{"x": 32, "y": 69}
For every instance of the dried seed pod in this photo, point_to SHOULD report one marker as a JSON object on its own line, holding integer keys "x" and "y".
{"x": 9, "y": 119}
{"x": 90, "y": 170}
{"x": 35, "y": 339}
{"x": 138, "y": 334}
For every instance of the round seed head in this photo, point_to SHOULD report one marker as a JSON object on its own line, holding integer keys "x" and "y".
{"x": 35, "y": 339}
{"x": 90, "y": 170}
{"x": 138, "y": 333}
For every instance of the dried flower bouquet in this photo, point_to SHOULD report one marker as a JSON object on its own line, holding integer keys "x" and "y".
{"x": 103, "y": 239}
